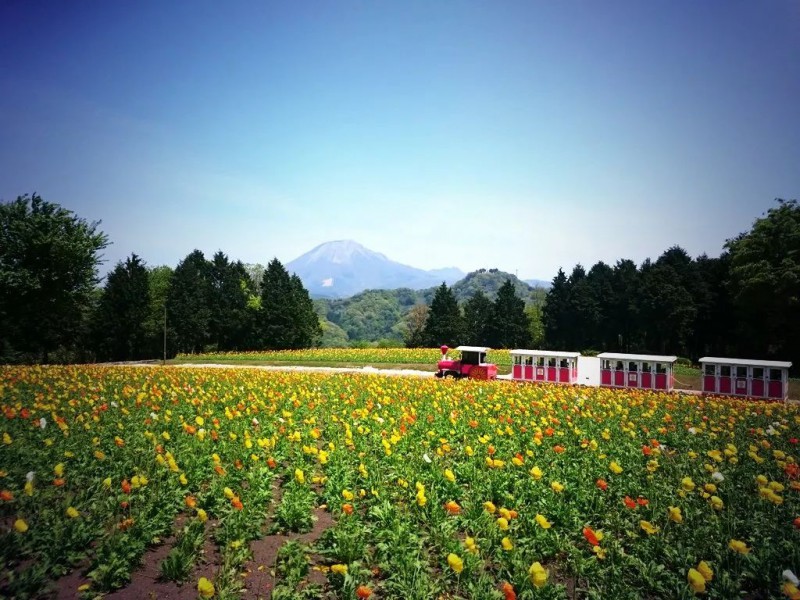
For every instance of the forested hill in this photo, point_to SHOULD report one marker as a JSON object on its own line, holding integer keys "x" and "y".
{"x": 376, "y": 315}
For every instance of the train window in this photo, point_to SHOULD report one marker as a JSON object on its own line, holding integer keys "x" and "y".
{"x": 646, "y": 368}
{"x": 758, "y": 373}
{"x": 710, "y": 370}
{"x": 540, "y": 361}
{"x": 661, "y": 368}
{"x": 517, "y": 360}
{"x": 724, "y": 371}
{"x": 607, "y": 364}
{"x": 563, "y": 363}
{"x": 775, "y": 375}
{"x": 528, "y": 361}
{"x": 619, "y": 366}
{"x": 632, "y": 366}
{"x": 741, "y": 372}
{"x": 551, "y": 362}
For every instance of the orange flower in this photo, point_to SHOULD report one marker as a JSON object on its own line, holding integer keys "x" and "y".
{"x": 646, "y": 450}
{"x": 508, "y": 591}
{"x": 363, "y": 592}
{"x": 126, "y": 486}
{"x": 190, "y": 501}
{"x": 796, "y": 522}
{"x": 6, "y": 496}
{"x": 347, "y": 509}
{"x": 452, "y": 507}
{"x": 558, "y": 449}
{"x": 237, "y": 503}
{"x": 591, "y": 536}
{"x": 58, "y": 482}
{"x": 549, "y": 431}
{"x": 642, "y": 501}
{"x": 271, "y": 463}
{"x": 219, "y": 470}
{"x": 629, "y": 503}
{"x": 602, "y": 484}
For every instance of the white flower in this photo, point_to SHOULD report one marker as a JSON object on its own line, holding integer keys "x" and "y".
{"x": 693, "y": 430}
{"x": 254, "y": 422}
{"x": 30, "y": 475}
{"x": 42, "y": 422}
{"x": 426, "y": 458}
{"x": 114, "y": 404}
{"x": 717, "y": 476}
{"x": 791, "y": 577}
{"x": 154, "y": 416}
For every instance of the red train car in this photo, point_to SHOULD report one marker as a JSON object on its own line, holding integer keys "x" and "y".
{"x": 546, "y": 366}
{"x": 472, "y": 364}
{"x": 640, "y": 371}
{"x": 767, "y": 379}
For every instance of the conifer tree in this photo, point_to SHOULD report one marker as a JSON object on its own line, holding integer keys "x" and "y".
{"x": 509, "y": 327}
{"x": 188, "y": 312}
{"x": 445, "y": 324}
{"x": 478, "y": 315}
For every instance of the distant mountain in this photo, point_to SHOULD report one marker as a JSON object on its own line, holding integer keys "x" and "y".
{"x": 344, "y": 268}
{"x": 538, "y": 283}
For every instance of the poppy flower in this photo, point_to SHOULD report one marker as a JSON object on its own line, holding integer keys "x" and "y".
{"x": 696, "y": 581}
{"x": 537, "y": 574}
{"x": 339, "y": 569}
{"x": 592, "y": 536}
{"x": 363, "y": 592}
{"x": 738, "y": 546}
{"x": 648, "y": 527}
{"x": 20, "y": 526}
{"x": 705, "y": 570}
{"x": 629, "y": 502}
{"x": 602, "y": 484}
{"x": 642, "y": 501}
{"x": 675, "y": 514}
{"x": 508, "y": 591}
{"x": 543, "y": 522}
{"x": 507, "y": 544}
{"x": 455, "y": 562}
{"x": 205, "y": 588}
{"x": 452, "y": 507}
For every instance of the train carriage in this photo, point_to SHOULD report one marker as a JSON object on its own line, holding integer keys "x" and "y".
{"x": 545, "y": 366}
{"x": 639, "y": 371}
{"x": 767, "y": 379}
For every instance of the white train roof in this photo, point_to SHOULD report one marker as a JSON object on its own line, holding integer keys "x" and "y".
{"x": 553, "y": 353}
{"x": 775, "y": 364}
{"x": 637, "y": 357}
{"x": 472, "y": 349}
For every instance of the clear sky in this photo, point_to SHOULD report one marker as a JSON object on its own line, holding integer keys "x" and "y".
{"x": 523, "y": 135}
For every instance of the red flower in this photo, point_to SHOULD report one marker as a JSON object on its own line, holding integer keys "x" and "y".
{"x": 590, "y": 536}
{"x": 629, "y": 503}
{"x": 236, "y": 503}
{"x": 796, "y": 522}
{"x": 363, "y": 592}
{"x": 793, "y": 440}
{"x": 6, "y": 496}
{"x": 602, "y": 484}
{"x": 347, "y": 509}
{"x": 549, "y": 431}
{"x": 452, "y": 507}
{"x": 646, "y": 450}
{"x": 508, "y": 591}
{"x": 558, "y": 449}
{"x": 642, "y": 501}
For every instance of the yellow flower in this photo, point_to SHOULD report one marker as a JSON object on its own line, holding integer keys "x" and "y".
{"x": 421, "y": 498}
{"x": 536, "y": 473}
{"x": 347, "y": 495}
{"x": 738, "y": 546}
{"x": 448, "y": 474}
{"x": 648, "y": 527}
{"x": 339, "y": 569}
{"x": 543, "y": 522}
{"x": 20, "y": 525}
{"x": 299, "y": 476}
{"x": 538, "y": 574}
{"x": 696, "y": 581}
{"x": 205, "y": 588}
{"x": 507, "y": 544}
{"x": 502, "y": 523}
{"x": 790, "y": 590}
{"x": 716, "y": 503}
{"x": 505, "y": 513}
{"x": 557, "y": 487}
{"x": 710, "y": 488}
{"x": 228, "y": 493}
{"x": 199, "y": 421}
{"x": 455, "y": 562}
{"x": 705, "y": 570}
{"x": 687, "y": 484}
{"x": 201, "y": 515}
{"x": 615, "y": 468}
{"x": 490, "y": 507}
{"x": 107, "y": 483}
{"x": 675, "y": 514}
{"x": 59, "y": 470}
{"x": 72, "y": 513}
{"x": 99, "y": 455}
{"x": 470, "y": 545}
{"x": 7, "y": 439}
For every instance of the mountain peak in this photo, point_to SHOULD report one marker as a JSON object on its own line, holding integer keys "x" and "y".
{"x": 344, "y": 267}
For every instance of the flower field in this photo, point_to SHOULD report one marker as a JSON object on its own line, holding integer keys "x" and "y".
{"x": 420, "y": 488}
{"x": 361, "y": 356}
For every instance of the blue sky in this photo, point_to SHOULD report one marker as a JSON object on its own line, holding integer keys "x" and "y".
{"x": 524, "y": 135}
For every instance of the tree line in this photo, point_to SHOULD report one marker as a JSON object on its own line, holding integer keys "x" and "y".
{"x": 52, "y": 310}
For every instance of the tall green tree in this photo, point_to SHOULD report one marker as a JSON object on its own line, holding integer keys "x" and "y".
{"x": 159, "y": 281}
{"x": 286, "y": 319}
{"x": 478, "y": 315}
{"x": 445, "y": 323}
{"x": 509, "y": 326}
{"x": 48, "y": 270}
{"x": 120, "y": 320}
{"x": 230, "y": 319}
{"x": 667, "y": 310}
{"x": 415, "y": 320}
{"x": 556, "y": 315}
{"x": 765, "y": 283}
{"x": 624, "y": 312}
{"x": 188, "y": 303}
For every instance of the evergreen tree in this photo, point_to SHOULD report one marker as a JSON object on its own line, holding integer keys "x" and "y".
{"x": 287, "y": 319}
{"x": 478, "y": 314}
{"x": 555, "y": 314}
{"x": 188, "y": 303}
{"x": 509, "y": 325}
{"x": 230, "y": 291}
{"x": 159, "y": 282}
{"x": 583, "y": 310}
{"x": 445, "y": 324}
{"x": 48, "y": 271}
{"x": 122, "y": 311}
{"x": 625, "y": 326}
